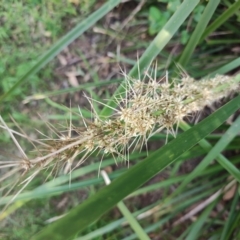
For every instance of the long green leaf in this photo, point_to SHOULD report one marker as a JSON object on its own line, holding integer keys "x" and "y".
{"x": 64, "y": 42}
{"x": 195, "y": 229}
{"x": 71, "y": 90}
{"x": 159, "y": 42}
{"x": 227, "y": 67}
{"x": 139, "y": 231}
{"x": 132, "y": 221}
{"x": 231, "y": 218}
{"x": 202, "y": 24}
{"x": 221, "y": 19}
{"x": 83, "y": 215}
{"x": 214, "y": 152}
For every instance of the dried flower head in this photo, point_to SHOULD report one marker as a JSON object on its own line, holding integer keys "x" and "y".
{"x": 148, "y": 107}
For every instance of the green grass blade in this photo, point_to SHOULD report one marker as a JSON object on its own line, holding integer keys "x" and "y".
{"x": 159, "y": 42}
{"x": 202, "y": 24}
{"x": 132, "y": 222}
{"x": 63, "y": 42}
{"x": 172, "y": 206}
{"x": 177, "y": 206}
{"x": 127, "y": 214}
{"x": 223, "y": 41}
{"x": 234, "y": 227}
{"x": 103, "y": 230}
{"x": 221, "y": 19}
{"x": 70, "y": 90}
{"x": 55, "y": 186}
{"x": 214, "y": 153}
{"x": 231, "y": 133}
{"x": 226, "y": 68}
{"x": 196, "y": 228}
{"x": 231, "y": 218}
{"x": 84, "y": 214}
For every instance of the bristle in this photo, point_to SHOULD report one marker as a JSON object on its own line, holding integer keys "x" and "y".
{"x": 146, "y": 108}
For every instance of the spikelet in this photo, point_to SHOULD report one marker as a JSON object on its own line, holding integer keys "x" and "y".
{"x": 148, "y": 107}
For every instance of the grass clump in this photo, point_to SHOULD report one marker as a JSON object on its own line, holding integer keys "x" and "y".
{"x": 148, "y": 107}
{"x": 183, "y": 184}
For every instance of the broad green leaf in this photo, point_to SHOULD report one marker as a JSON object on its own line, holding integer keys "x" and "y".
{"x": 171, "y": 207}
{"x": 214, "y": 152}
{"x": 132, "y": 221}
{"x": 92, "y": 209}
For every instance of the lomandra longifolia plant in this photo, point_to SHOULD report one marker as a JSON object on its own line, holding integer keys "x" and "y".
{"x": 147, "y": 107}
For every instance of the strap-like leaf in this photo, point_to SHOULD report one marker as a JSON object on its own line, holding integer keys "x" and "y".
{"x": 83, "y": 215}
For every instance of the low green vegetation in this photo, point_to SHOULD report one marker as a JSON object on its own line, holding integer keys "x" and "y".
{"x": 180, "y": 183}
{"x": 28, "y": 28}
